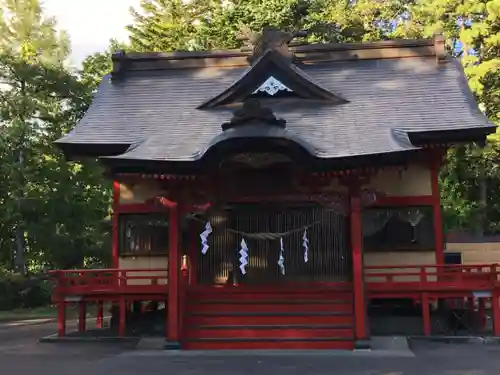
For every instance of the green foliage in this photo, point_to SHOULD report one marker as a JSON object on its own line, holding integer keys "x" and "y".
{"x": 26, "y": 32}
{"x": 51, "y": 209}
{"x": 19, "y": 292}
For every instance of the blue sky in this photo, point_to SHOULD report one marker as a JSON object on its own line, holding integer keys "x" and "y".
{"x": 91, "y": 23}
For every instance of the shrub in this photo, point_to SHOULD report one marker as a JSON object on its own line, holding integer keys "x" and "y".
{"x": 17, "y": 291}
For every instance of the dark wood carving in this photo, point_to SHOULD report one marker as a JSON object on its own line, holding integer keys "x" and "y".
{"x": 252, "y": 110}
{"x": 270, "y": 38}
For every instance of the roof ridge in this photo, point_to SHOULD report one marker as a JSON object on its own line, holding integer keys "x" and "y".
{"x": 308, "y": 53}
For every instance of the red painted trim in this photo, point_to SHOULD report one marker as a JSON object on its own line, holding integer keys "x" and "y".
{"x": 357, "y": 262}
{"x": 173, "y": 276}
{"x": 420, "y": 200}
{"x": 436, "y": 203}
{"x": 308, "y": 288}
{"x": 115, "y": 230}
{"x": 82, "y": 316}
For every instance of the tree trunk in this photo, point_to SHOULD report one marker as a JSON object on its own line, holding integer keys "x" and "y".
{"x": 482, "y": 204}
{"x": 19, "y": 261}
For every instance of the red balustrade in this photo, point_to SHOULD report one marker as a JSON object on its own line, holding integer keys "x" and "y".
{"x": 444, "y": 279}
{"x": 429, "y": 283}
{"x": 109, "y": 281}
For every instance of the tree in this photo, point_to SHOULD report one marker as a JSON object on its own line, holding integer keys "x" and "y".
{"x": 472, "y": 28}
{"x": 26, "y": 32}
{"x": 176, "y": 25}
{"x": 52, "y": 209}
{"x": 27, "y": 36}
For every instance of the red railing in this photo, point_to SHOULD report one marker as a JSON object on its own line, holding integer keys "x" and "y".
{"x": 441, "y": 279}
{"x": 464, "y": 284}
{"x": 109, "y": 281}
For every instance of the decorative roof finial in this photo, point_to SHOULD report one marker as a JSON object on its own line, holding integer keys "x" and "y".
{"x": 271, "y": 38}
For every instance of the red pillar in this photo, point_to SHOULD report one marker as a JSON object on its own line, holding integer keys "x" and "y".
{"x": 173, "y": 280}
{"x": 61, "y": 318}
{"x": 100, "y": 314}
{"x": 357, "y": 263}
{"x": 426, "y": 316}
{"x": 115, "y": 235}
{"x": 436, "y": 205}
{"x": 82, "y": 316}
{"x": 193, "y": 252}
{"x": 496, "y": 313}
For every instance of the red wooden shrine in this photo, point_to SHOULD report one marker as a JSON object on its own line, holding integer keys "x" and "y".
{"x": 319, "y": 162}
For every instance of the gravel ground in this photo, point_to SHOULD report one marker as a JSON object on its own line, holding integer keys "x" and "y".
{"x": 20, "y": 352}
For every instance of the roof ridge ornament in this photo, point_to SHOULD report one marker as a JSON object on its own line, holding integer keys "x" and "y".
{"x": 271, "y": 38}
{"x": 252, "y": 110}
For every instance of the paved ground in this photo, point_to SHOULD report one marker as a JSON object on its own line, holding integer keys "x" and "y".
{"x": 20, "y": 352}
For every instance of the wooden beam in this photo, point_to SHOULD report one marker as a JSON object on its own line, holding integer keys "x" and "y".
{"x": 395, "y": 201}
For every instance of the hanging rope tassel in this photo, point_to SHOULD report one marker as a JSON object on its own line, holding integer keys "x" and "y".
{"x": 281, "y": 260}
{"x": 305, "y": 244}
{"x": 204, "y": 237}
{"x": 244, "y": 257}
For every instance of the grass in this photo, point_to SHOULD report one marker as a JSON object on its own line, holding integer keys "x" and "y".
{"x": 46, "y": 312}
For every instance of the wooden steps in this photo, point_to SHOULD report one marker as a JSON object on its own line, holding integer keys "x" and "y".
{"x": 249, "y": 344}
{"x": 270, "y": 319}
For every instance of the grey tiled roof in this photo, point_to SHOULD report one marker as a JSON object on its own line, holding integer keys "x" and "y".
{"x": 155, "y": 111}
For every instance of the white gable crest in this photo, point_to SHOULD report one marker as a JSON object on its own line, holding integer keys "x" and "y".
{"x": 272, "y": 86}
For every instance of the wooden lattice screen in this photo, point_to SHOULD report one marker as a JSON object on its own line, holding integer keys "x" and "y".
{"x": 329, "y": 251}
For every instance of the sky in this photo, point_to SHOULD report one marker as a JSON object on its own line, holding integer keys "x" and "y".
{"x": 91, "y": 23}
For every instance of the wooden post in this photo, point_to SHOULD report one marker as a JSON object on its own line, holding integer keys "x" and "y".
{"x": 426, "y": 316}
{"x": 173, "y": 280}
{"x": 100, "y": 314}
{"x": 82, "y": 316}
{"x": 61, "y": 318}
{"x": 357, "y": 263}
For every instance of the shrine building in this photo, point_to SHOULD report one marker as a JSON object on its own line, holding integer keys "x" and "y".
{"x": 266, "y": 196}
